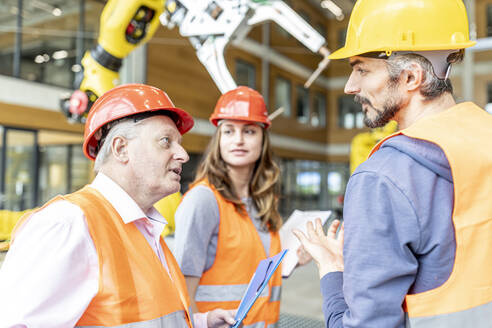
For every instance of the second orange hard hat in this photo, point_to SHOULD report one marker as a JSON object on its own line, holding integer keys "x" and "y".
{"x": 242, "y": 104}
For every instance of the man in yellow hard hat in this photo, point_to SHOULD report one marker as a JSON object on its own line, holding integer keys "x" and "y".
{"x": 418, "y": 217}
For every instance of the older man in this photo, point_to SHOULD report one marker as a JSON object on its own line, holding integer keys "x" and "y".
{"x": 418, "y": 215}
{"x": 95, "y": 257}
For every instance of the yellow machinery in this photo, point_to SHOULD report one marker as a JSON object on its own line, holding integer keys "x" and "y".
{"x": 8, "y": 219}
{"x": 124, "y": 26}
{"x": 167, "y": 207}
{"x": 363, "y": 143}
{"x": 209, "y": 25}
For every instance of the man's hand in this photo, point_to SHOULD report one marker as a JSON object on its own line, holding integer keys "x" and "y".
{"x": 303, "y": 256}
{"x": 327, "y": 251}
{"x": 220, "y": 318}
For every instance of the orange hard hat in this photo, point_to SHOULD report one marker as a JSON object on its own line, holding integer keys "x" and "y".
{"x": 127, "y": 100}
{"x": 242, "y": 104}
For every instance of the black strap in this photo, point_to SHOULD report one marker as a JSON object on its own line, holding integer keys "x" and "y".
{"x": 106, "y": 59}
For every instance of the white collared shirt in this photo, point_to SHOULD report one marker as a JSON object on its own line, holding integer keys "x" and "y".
{"x": 51, "y": 272}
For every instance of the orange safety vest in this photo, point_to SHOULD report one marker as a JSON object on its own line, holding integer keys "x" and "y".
{"x": 464, "y": 132}
{"x": 134, "y": 288}
{"x": 239, "y": 250}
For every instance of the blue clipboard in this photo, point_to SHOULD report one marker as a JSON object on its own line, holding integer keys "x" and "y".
{"x": 258, "y": 282}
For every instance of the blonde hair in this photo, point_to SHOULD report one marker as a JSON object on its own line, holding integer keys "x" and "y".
{"x": 263, "y": 187}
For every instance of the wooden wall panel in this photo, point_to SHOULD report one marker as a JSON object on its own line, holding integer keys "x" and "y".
{"x": 33, "y": 118}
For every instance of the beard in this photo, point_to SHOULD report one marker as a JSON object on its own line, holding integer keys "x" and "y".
{"x": 391, "y": 106}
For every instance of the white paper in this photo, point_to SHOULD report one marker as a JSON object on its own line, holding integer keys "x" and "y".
{"x": 298, "y": 220}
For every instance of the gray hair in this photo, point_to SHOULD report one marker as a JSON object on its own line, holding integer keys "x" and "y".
{"x": 432, "y": 86}
{"x": 125, "y": 128}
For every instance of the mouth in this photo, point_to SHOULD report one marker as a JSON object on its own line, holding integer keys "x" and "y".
{"x": 239, "y": 151}
{"x": 176, "y": 170}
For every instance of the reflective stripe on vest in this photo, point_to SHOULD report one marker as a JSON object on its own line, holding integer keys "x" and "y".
{"x": 276, "y": 293}
{"x": 464, "y": 133}
{"x": 261, "y": 325}
{"x": 175, "y": 320}
{"x": 223, "y": 293}
{"x": 477, "y": 317}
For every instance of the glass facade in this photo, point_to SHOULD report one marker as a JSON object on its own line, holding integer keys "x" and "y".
{"x": 312, "y": 185}
{"x": 19, "y": 172}
{"x": 51, "y": 40}
{"x": 37, "y": 165}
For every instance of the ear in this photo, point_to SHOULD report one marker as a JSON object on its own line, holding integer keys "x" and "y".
{"x": 413, "y": 77}
{"x": 119, "y": 149}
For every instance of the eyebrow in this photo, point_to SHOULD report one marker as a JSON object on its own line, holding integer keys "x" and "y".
{"x": 232, "y": 125}
{"x": 355, "y": 62}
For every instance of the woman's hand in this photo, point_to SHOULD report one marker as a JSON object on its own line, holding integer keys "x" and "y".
{"x": 326, "y": 250}
{"x": 220, "y": 318}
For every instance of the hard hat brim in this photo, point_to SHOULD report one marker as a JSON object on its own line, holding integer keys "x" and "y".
{"x": 346, "y": 52}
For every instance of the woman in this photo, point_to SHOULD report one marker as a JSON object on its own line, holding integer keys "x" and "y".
{"x": 228, "y": 221}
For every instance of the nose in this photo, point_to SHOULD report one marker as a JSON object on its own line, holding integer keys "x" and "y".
{"x": 180, "y": 154}
{"x": 352, "y": 86}
{"x": 239, "y": 137}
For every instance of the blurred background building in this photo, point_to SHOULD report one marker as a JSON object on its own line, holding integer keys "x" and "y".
{"x": 42, "y": 43}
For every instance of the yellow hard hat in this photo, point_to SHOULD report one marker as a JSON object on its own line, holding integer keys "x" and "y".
{"x": 405, "y": 25}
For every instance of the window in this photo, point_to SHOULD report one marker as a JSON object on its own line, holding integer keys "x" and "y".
{"x": 245, "y": 74}
{"x": 283, "y": 95}
{"x": 53, "y": 171}
{"x": 50, "y": 42}
{"x": 335, "y": 182}
{"x": 311, "y": 185}
{"x": 19, "y": 172}
{"x": 350, "y": 114}
{"x": 308, "y": 182}
{"x": 302, "y": 104}
{"x": 37, "y": 165}
{"x": 318, "y": 115}
{"x": 489, "y": 20}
